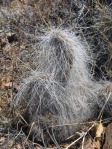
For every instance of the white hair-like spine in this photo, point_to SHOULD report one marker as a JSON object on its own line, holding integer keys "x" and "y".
{"x": 60, "y": 91}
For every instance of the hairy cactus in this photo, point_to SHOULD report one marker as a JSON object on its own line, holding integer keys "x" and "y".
{"x": 60, "y": 92}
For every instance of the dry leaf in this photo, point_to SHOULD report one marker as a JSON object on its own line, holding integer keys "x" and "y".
{"x": 88, "y": 145}
{"x": 18, "y": 146}
{"x": 2, "y": 139}
{"x": 5, "y": 82}
{"x": 1, "y": 102}
{"x": 9, "y": 84}
{"x": 99, "y": 130}
{"x": 96, "y": 144}
{"x": 108, "y": 137}
{"x": 7, "y": 48}
{"x": 64, "y": 145}
{"x": 10, "y": 143}
{"x": 22, "y": 47}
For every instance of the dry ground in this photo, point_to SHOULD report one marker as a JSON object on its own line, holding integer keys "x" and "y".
{"x": 15, "y": 62}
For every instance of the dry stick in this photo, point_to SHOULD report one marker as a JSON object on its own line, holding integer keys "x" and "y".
{"x": 101, "y": 112}
{"x": 106, "y": 120}
{"x": 22, "y": 118}
{"x": 83, "y": 142}
{"x": 13, "y": 75}
{"x": 24, "y": 65}
{"x": 40, "y": 14}
{"x": 29, "y": 132}
{"x": 104, "y": 12}
{"x": 107, "y": 40}
{"x": 82, "y": 135}
{"x": 71, "y": 124}
{"x": 18, "y": 133}
{"x": 74, "y": 142}
{"x": 40, "y": 147}
{"x": 27, "y": 136}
